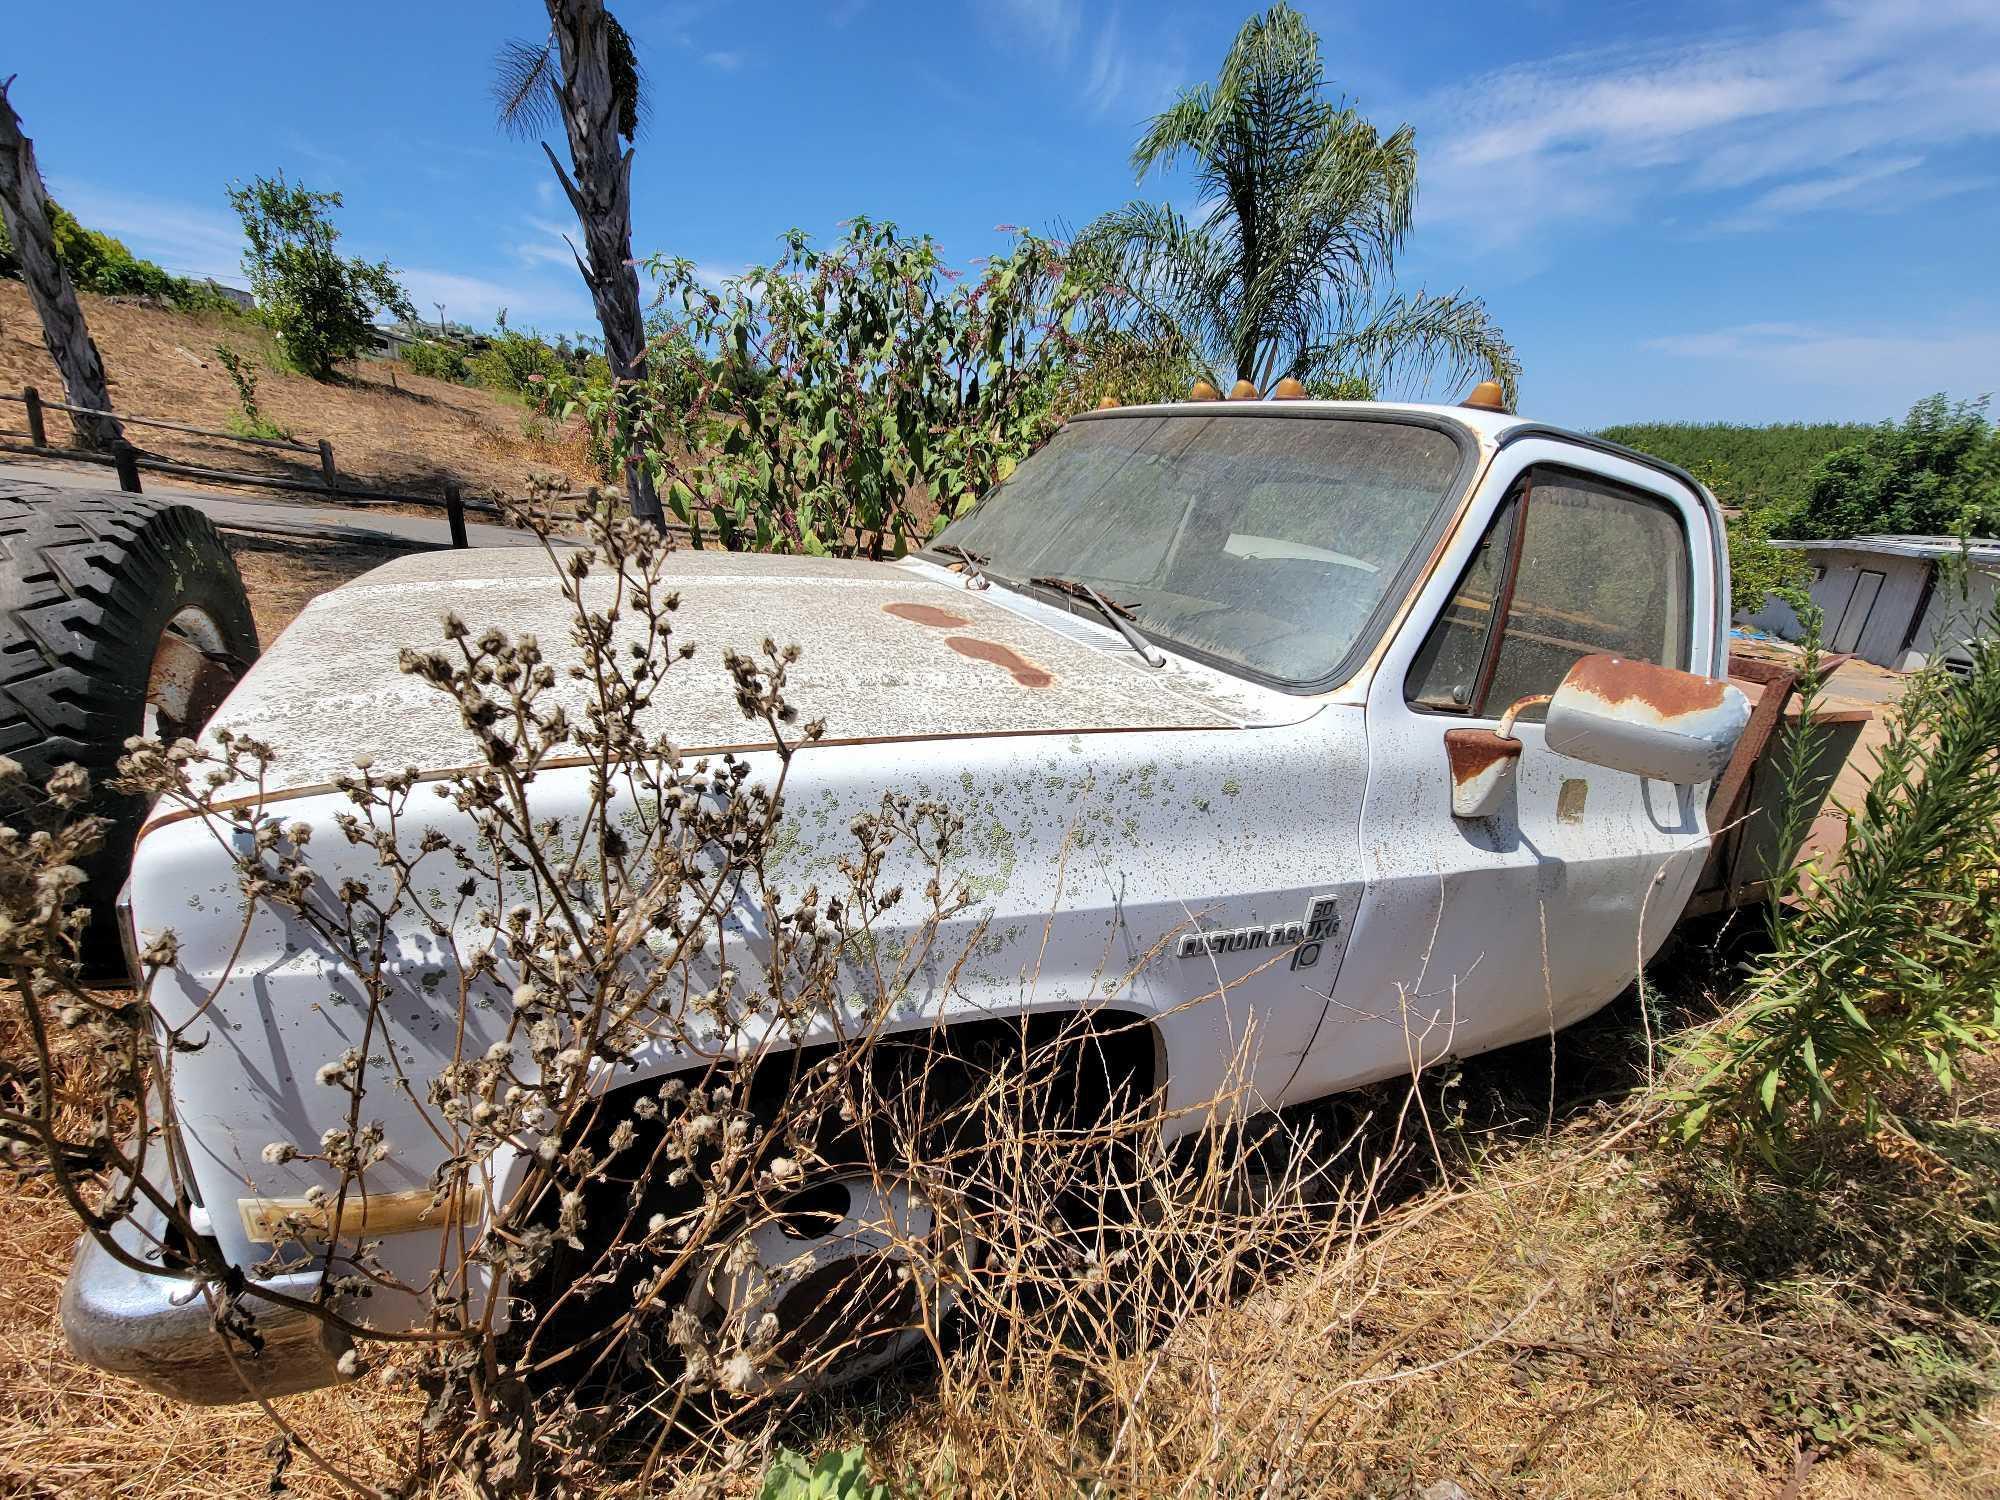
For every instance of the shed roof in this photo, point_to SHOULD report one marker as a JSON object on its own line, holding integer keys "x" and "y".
{"x": 1985, "y": 551}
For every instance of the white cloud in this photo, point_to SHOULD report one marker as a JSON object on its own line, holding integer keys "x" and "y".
{"x": 725, "y": 62}
{"x": 553, "y": 306}
{"x": 1894, "y": 367}
{"x": 550, "y": 244}
{"x": 1117, "y": 71}
{"x": 1051, "y": 26}
{"x": 185, "y": 239}
{"x": 1841, "y": 95}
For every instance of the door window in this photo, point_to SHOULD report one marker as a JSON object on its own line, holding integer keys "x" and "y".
{"x": 1572, "y": 565}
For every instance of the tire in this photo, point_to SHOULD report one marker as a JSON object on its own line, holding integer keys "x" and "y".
{"x": 90, "y": 582}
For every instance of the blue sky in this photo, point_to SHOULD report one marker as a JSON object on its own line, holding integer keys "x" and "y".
{"x": 1711, "y": 210}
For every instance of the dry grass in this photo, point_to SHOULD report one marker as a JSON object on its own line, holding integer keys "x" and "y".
{"x": 389, "y": 429}
{"x": 1527, "y": 1312}
{"x": 1547, "y": 1322}
{"x": 282, "y": 576}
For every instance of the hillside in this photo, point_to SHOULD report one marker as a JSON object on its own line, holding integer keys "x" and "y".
{"x": 389, "y": 429}
{"x": 1744, "y": 465}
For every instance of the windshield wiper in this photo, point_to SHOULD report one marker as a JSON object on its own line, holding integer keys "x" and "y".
{"x": 1118, "y": 614}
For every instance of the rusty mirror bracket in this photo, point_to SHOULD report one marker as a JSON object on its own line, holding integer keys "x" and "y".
{"x": 1482, "y": 763}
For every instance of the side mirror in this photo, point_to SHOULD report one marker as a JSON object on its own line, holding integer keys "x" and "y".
{"x": 1651, "y": 721}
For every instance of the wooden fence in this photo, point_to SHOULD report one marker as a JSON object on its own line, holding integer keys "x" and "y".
{"x": 128, "y": 461}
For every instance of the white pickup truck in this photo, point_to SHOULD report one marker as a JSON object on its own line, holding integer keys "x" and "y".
{"x": 1386, "y": 727}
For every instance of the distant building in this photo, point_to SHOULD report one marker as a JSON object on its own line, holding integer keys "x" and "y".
{"x": 241, "y": 300}
{"x": 1886, "y": 598}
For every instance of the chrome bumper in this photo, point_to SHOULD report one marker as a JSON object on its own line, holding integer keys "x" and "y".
{"x": 157, "y": 1329}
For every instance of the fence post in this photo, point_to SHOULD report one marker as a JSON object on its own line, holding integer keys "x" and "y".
{"x": 38, "y": 435}
{"x": 454, "y": 513}
{"x": 326, "y": 468}
{"x": 126, "y": 457}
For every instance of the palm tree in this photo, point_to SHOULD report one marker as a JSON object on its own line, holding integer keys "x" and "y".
{"x": 585, "y": 74}
{"x": 1288, "y": 265}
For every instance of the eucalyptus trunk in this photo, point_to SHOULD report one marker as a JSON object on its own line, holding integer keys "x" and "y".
{"x": 601, "y": 193}
{"x": 26, "y": 206}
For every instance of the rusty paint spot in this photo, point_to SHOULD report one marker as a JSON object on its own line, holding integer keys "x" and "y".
{"x": 1669, "y": 693}
{"x": 926, "y": 614}
{"x": 1025, "y": 672}
{"x": 1473, "y": 751}
{"x": 1570, "y": 800}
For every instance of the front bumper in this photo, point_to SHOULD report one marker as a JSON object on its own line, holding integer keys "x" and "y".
{"x": 157, "y": 1330}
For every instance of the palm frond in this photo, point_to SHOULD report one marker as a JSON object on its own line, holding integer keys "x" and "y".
{"x": 1417, "y": 340}
{"x": 1288, "y": 264}
{"x": 526, "y": 87}
{"x": 1181, "y": 129}
{"x": 1172, "y": 266}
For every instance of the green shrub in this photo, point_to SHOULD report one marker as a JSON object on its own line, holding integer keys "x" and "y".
{"x": 1936, "y": 473}
{"x": 249, "y": 421}
{"x": 524, "y": 364}
{"x": 1886, "y": 970}
{"x": 1745, "y": 466}
{"x": 97, "y": 262}
{"x": 320, "y": 305}
{"x": 1758, "y": 570}
{"x": 806, "y": 403}
{"x": 437, "y": 359}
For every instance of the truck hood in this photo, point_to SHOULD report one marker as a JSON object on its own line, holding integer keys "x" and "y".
{"x": 888, "y": 652}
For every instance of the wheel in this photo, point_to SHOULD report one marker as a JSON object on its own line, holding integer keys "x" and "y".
{"x": 821, "y": 1290}
{"x": 806, "y": 1285}
{"x": 119, "y": 615}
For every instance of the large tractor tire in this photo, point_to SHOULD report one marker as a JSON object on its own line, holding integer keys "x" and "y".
{"x": 119, "y": 615}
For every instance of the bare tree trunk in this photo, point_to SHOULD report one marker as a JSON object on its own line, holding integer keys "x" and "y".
{"x": 601, "y": 194}
{"x": 26, "y": 207}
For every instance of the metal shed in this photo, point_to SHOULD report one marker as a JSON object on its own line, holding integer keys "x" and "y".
{"x": 1891, "y": 599}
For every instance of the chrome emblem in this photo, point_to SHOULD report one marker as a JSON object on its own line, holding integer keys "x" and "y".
{"x": 1306, "y": 939}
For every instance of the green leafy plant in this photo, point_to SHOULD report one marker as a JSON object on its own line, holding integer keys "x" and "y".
{"x": 834, "y": 1476}
{"x": 1747, "y": 467}
{"x": 320, "y": 304}
{"x": 437, "y": 359}
{"x": 98, "y": 262}
{"x": 1885, "y": 970}
{"x": 1757, "y": 570}
{"x": 827, "y": 402}
{"x": 514, "y": 363}
{"x": 250, "y": 421}
{"x": 1936, "y": 473}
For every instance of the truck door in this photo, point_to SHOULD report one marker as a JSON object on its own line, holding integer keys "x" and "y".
{"x": 1473, "y": 933}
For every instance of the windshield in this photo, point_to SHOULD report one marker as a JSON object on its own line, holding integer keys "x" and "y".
{"x": 1266, "y": 542}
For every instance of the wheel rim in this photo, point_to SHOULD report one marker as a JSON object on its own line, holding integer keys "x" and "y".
{"x": 824, "y": 1291}
{"x": 189, "y": 677}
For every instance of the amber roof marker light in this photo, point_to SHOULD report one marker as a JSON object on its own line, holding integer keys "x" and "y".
{"x": 1109, "y": 403}
{"x": 1203, "y": 391}
{"x": 1486, "y": 396}
{"x": 1243, "y": 390}
{"x": 1288, "y": 389}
